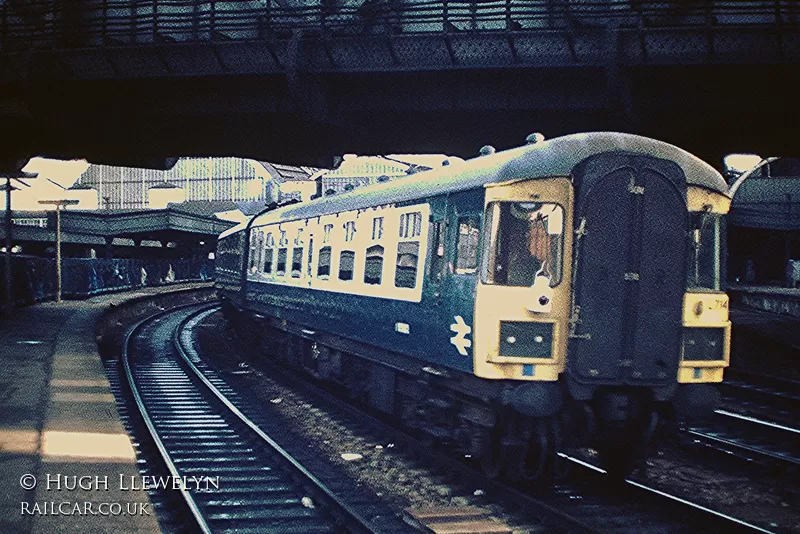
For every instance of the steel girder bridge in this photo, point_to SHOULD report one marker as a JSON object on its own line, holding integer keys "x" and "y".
{"x": 125, "y": 81}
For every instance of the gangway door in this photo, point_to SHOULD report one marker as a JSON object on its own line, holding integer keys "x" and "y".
{"x": 631, "y": 249}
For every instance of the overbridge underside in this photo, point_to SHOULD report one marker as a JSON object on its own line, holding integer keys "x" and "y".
{"x": 304, "y": 93}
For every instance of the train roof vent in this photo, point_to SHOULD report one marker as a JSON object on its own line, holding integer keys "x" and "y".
{"x": 487, "y": 150}
{"x": 534, "y": 138}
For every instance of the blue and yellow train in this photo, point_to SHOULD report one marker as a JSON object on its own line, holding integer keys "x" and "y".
{"x": 565, "y": 292}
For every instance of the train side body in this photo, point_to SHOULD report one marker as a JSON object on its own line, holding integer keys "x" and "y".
{"x": 584, "y": 269}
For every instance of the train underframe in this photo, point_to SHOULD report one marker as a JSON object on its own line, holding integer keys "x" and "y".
{"x": 473, "y": 417}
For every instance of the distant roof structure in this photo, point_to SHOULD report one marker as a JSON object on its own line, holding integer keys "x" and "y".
{"x": 768, "y": 196}
{"x": 203, "y": 208}
{"x": 290, "y": 173}
{"x": 78, "y": 186}
{"x": 356, "y": 166}
{"x": 164, "y": 185}
{"x": 94, "y": 226}
{"x": 251, "y": 208}
{"x": 207, "y": 209}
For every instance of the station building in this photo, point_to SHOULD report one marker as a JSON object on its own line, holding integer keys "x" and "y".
{"x": 193, "y": 179}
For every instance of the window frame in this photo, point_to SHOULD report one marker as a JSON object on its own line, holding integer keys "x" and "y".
{"x": 383, "y": 263}
{"x": 694, "y": 273}
{"x": 353, "y": 266}
{"x": 285, "y": 251}
{"x": 457, "y": 251}
{"x": 440, "y": 233}
{"x": 377, "y": 228}
{"x": 322, "y": 250}
{"x": 350, "y": 231}
{"x": 416, "y": 264}
{"x": 490, "y": 232}
{"x": 295, "y": 250}
{"x": 269, "y": 252}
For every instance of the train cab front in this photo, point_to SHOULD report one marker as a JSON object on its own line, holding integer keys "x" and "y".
{"x": 600, "y": 298}
{"x": 649, "y": 324}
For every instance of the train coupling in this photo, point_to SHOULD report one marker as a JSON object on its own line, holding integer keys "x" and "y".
{"x": 696, "y": 401}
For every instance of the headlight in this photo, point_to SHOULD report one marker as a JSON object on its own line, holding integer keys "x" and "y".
{"x": 526, "y": 339}
{"x": 703, "y": 344}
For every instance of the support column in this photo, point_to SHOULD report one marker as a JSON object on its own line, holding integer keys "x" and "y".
{"x": 9, "y": 304}
{"x": 787, "y": 257}
{"x": 619, "y": 95}
{"x": 109, "y": 251}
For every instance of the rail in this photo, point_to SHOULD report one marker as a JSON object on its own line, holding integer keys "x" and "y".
{"x": 180, "y": 338}
{"x": 198, "y": 431}
{"x": 193, "y": 506}
{"x": 682, "y": 507}
{"x": 26, "y": 24}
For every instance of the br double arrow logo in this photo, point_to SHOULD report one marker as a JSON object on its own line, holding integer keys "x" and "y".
{"x": 462, "y": 330}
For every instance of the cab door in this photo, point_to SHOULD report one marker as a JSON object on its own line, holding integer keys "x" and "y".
{"x": 463, "y": 217}
{"x": 436, "y": 342}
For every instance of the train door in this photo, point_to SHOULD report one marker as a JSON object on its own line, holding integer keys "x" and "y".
{"x": 436, "y": 341}
{"x": 459, "y": 283}
{"x": 630, "y": 273}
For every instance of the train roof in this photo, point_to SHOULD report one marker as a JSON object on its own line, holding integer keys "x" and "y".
{"x": 554, "y": 157}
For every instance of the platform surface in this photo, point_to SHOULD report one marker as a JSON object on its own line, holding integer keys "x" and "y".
{"x": 63, "y": 447}
{"x": 767, "y": 312}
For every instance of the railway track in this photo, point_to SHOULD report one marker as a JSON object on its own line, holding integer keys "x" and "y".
{"x": 750, "y": 437}
{"x": 760, "y": 422}
{"x": 231, "y": 475}
{"x": 642, "y": 495}
{"x": 777, "y": 393}
{"x": 589, "y": 502}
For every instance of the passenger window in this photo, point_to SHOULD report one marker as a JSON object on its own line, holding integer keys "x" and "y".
{"x": 349, "y": 230}
{"x": 324, "y": 264}
{"x": 268, "y": 255}
{"x": 373, "y": 267}
{"x": 410, "y": 225}
{"x": 436, "y": 234}
{"x": 467, "y": 246}
{"x": 346, "y": 261}
{"x": 297, "y": 262}
{"x": 259, "y": 250}
{"x": 281, "y": 270}
{"x": 377, "y": 228}
{"x": 406, "y": 268}
{"x": 252, "y": 260}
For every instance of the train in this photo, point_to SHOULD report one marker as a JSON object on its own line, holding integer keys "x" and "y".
{"x": 564, "y": 293}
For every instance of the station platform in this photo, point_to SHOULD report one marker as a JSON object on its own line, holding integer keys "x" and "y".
{"x": 63, "y": 447}
{"x": 766, "y": 330}
{"x": 778, "y": 300}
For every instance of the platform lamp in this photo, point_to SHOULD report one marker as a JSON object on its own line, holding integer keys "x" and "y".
{"x": 14, "y": 175}
{"x": 58, "y": 204}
